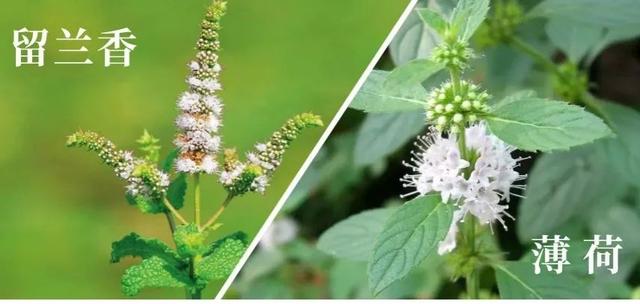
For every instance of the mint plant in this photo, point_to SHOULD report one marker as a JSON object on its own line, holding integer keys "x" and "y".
{"x": 159, "y": 188}
{"x": 465, "y": 171}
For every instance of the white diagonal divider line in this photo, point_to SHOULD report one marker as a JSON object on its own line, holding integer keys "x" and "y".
{"x": 316, "y": 149}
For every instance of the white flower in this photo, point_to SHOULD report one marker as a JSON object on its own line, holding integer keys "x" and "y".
{"x": 261, "y": 147}
{"x": 260, "y": 183}
{"x": 188, "y": 101}
{"x": 186, "y": 165}
{"x": 213, "y": 123}
{"x": 186, "y": 122}
{"x": 194, "y": 65}
{"x": 210, "y": 84}
{"x": 217, "y": 68}
{"x": 208, "y": 164}
{"x": 213, "y": 103}
{"x": 194, "y": 82}
{"x": 449, "y": 243}
{"x": 281, "y": 231}
{"x": 164, "y": 179}
{"x": 438, "y": 167}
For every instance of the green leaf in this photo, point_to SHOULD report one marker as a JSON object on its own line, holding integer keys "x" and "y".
{"x": 611, "y": 14}
{"x": 621, "y": 221}
{"x": 562, "y": 185}
{"x": 372, "y": 97}
{"x": 539, "y": 124}
{"x": 409, "y": 76}
{"x": 516, "y": 280}
{"x": 383, "y": 133}
{"x": 153, "y": 272}
{"x": 467, "y": 17}
{"x": 623, "y": 151}
{"x": 353, "y": 238}
{"x": 413, "y": 40}
{"x": 575, "y": 40}
{"x": 408, "y": 237}
{"x": 177, "y": 190}
{"x": 223, "y": 257}
{"x": 167, "y": 164}
{"x": 432, "y": 19}
{"x": 136, "y": 246}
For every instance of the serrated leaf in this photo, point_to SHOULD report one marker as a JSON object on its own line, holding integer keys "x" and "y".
{"x": 153, "y": 272}
{"x": 410, "y": 76}
{"x": 353, "y": 238}
{"x": 136, "y": 246}
{"x": 372, "y": 97}
{"x": 562, "y": 185}
{"x": 224, "y": 256}
{"x": 432, "y": 19}
{"x": 467, "y": 17}
{"x": 516, "y": 280}
{"x": 574, "y": 39}
{"x": 602, "y": 13}
{"x": 534, "y": 124}
{"x": 177, "y": 191}
{"x": 408, "y": 237}
{"x": 383, "y": 133}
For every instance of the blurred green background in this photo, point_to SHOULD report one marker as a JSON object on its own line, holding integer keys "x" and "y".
{"x": 61, "y": 208}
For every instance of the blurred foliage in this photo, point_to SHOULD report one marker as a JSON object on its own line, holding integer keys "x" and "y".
{"x": 592, "y": 189}
{"x": 62, "y": 209}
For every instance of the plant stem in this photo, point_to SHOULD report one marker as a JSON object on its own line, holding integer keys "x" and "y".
{"x": 196, "y": 185}
{"x": 472, "y": 277}
{"x": 171, "y": 221}
{"x": 215, "y": 216}
{"x": 535, "y": 54}
{"x": 174, "y": 211}
{"x": 196, "y": 293}
{"x": 455, "y": 80}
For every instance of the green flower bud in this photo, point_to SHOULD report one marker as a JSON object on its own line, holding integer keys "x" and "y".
{"x": 456, "y": 108}
{"x": 569, "y": 83}
{"x": 455, "y": 55}
{"x": 501, "y": 25}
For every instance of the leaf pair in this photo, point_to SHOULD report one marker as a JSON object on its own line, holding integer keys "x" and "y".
{"x": 161, "y": 266}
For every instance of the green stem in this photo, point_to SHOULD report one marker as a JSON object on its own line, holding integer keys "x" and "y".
{"x": 196, "y": 185}
{"x": 455, "y": 80}
{"x": 473, "y": 281}
{"x": 215, "y": 216}
{"x": 195, "y": 293}
{"x": 535, "y": 54}
{"x": 171, "y": 221}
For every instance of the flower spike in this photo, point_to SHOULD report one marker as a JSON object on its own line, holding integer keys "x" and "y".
{"x": 200, "y": 106}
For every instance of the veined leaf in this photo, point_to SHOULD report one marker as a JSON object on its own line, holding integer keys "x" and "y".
{"x": 383, "y": 133}
{"x": 467, "y": 17}
{"x": 574, "y": 39}
{"x": 516, "y": 280}
{"x": 136, "y": 246}
{"x": 353, "y": 238}
{"x": 563, "y": 185}
{"x": 432, "y": 19}
{"x": 153, "y": 272}
{"x": 534, "y": 124}
{"x": 224, "y": 256}
{"x": 610, "y": 14}
{"x": 408, "y": 237}
{"x": 177, "y": 190}
{"x": 410, "y": 76}
{"x": 372, "y": 97}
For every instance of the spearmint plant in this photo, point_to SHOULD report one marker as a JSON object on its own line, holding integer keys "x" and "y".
{"x": 195, "y": 260}
{"x": 465, "y": 171}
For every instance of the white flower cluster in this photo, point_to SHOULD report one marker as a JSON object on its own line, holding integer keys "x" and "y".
{"x": 201, "y": 110}
{"x": 148, "y": 184}
{"x": 438, "y": 167}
